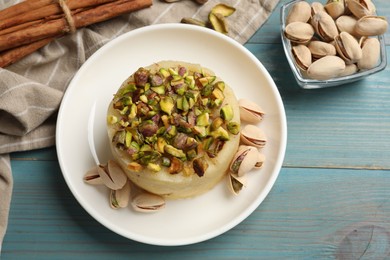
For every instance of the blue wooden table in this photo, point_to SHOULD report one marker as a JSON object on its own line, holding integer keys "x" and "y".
{"x": 331, "y": 199}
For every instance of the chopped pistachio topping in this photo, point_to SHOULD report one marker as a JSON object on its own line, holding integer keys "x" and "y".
{"x": 171, "y": 118}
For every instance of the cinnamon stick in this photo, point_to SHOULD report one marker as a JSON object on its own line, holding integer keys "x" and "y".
{"x": 58, "y": 27}
{"x": 23, "y": 7}
{"x": 11, "y": 56}
{"x": 46, "y": 11}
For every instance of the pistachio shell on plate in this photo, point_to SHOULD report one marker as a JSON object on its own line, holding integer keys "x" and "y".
{"x": 370, "y": 53}
{"x": 346, "y": 23}
{"x": 335, "y": 8}
{"x": 92, "y": 176}
{"x": 253, "y": 135}
{"x": 371, "y": 25}
{"x": 244, "y": 160}
{"x": 250, "y": 111}
{"x": 112, "y": 175}
{"x": 236, "y": 183}
{"x": 302, "y": 56}
{"x": 326, "y": 68}
{"x": 299, "y": 12}
{"x": 361, "y": 8}
{"x": 147, "y": 202}
{"x": 324, "y": 26}
{"x": 299, "y": 32}
{"x": 120, "y": 198}
{"x": 321, "y": 49}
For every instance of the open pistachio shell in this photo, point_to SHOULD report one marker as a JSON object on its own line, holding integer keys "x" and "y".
{"x": 302, "y": 56}
{"x": 346, "y": 23}
{"x": 371, "y": 25}
{"x": 148, "y": 202}
{"x": 253, "y": 136}
{"x": 244, "y": 160}
{"x": 120, "y": 198}
{"x": 335, "y": 8}
{"x": 236, "y": 183}
{"x": 299, "y": 12}
{"x": 321, "y": 49}
{"x": 371, "y": 53}
{"x": 361, "y": 8}
{"x": 112, "y": 175}
{"x": 92, "y": 176}
{"x": 326, "y": 68}
{"x": 348, "y": 48}
{"x": 250, "y": 111}
{"x": 324, "y": 26}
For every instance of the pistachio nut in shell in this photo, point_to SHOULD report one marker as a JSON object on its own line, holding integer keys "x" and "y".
{"x": 371, "y": 25}
{"x": 236, "y": 183}
{"x": 349, "y": 70}
{"x": 250, "y": 111}
{"x": 321, "y": 49}
{"x": 317, "y": 7}
{"x": 348, "y": 47}
{"x": 112, "y": 175}
{"x": 324, "y": 26}
{"x": 253, "y": 136}
{"x": 371, "y": 53}
{"x": 244, "y": 160}
{"x": 92, "y": 176}
{"x": 299, "y": 12}
{"x": 326, "y": 68}
{"x": 335, "y": 8}
{"x": 147, "y": 202}
{"x": 302, "y": 56}
{"x": 361, "y": 8}
{"x": 120, "y": 198}
{"x": 299, "y": 32}
{"x": 346, "y": 23}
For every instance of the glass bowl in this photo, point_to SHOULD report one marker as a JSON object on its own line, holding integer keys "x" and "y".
{"x": 308, "y": 83}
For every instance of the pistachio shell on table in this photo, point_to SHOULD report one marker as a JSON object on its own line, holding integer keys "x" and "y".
{"x": 335, "y": 8}
{"x": 321, "y": 49}
{"x": 253, "y": 136}
{"x": 349, "y": 70}
{"x": 299, "y": 32}
{"x": 302, "y": 56}
{"x": 244, "y": 160}
{"x": 346, "y": 23}
{"x": 371, "y": 53}
{"x": 324, "y": 26}
{"x": 236, "y": 183}
{"x": 371, "y": 25}
{"x": 361, "y": 8}
{"x": 326, "y": 68}
{"x": 250, "y": 111}
{"x": 147, "y": 202}
{"x": 223, "y": 9}
{"x": 299, "y": 12}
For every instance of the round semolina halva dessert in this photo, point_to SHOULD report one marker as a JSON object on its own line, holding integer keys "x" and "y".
{"x": 174, "y": 128}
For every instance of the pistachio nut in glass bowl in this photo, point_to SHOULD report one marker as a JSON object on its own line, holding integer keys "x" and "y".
{"x": 333, "y": 42}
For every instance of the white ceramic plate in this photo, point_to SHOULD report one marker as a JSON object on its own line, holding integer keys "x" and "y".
{"x": 82, "y": 140}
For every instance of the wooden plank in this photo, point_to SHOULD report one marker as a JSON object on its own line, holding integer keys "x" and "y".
{"x": 310, "y": 213}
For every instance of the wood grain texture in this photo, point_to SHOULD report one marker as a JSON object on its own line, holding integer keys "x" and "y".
{"x": 330, "y": 201}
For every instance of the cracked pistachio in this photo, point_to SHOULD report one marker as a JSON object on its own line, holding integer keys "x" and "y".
{"x": 335, "y": 8}
{"x": 92, "y": 176}
{"x": 244, "y": 160}
{"x": 361, "y": 8}
{"x": 349, "y": 70}
{"x": 147, "y": 202}
{"x": 324, "y": 26}
{"x": 112, "y": 175}
{"x": 348, "y": 48}
{"x": 371, "y": 25}
{"x": 253, "y": 135}
{"x": 120, "y": 198}
{"x": 299, "y": 32}
{"x": 321, "y": 49}
{"x": 236, "y": 183}
{"x": 250, "y": 111}
{"x": 370, "y": 53}
{"x": 302, "y": 56}
{"x": 326, "y": 68}
{"x": 346, "y": 23}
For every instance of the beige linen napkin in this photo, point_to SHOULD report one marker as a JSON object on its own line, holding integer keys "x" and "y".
{"x": 31, "y": 89}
